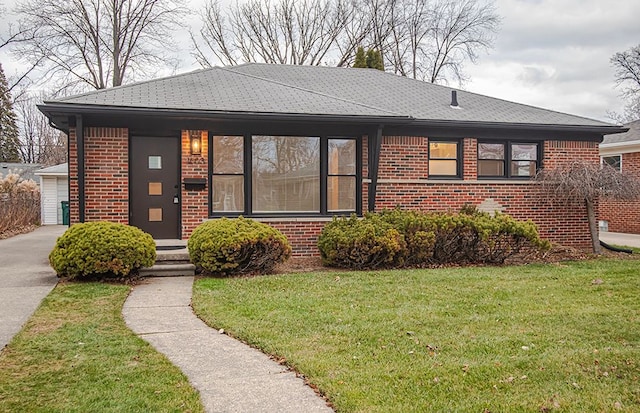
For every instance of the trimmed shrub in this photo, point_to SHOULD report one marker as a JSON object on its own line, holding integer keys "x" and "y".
{"x": 366, "y": 243}
{"x": 102, "y": 249}
{"x": 474, "y": 237}
{"x": 396, "y": 238}
{"x": 234, "y": 246}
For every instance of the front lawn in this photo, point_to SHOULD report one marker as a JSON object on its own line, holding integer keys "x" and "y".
{"x": 76, "y": 355}
{"x": 534, "y": 338}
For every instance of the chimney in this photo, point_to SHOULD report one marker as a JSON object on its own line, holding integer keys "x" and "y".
{"x": 454, "y": 99}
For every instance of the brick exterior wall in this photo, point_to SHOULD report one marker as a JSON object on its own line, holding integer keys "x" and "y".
{"x": 302, "y": 234}
{"x": 106, "y": 175}
{"x": 194, "y": 204}
{"x": 518, "y": 198}
{"x": 623, "y": 216}
{"x": 402, "y": 181}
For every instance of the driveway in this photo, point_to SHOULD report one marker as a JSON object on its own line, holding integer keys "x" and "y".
{"x": 618, "y": 238}
{"x": 25, "y": 277}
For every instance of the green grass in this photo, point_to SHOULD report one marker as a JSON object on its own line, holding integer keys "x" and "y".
{"x": 529, "y": 338}
{"x": 76, "y": 355}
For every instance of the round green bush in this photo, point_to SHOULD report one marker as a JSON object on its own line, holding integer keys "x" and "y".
{"x": 102, "y": 249}
{"x": 366, "y": 243}
{"x": 240, "y": 245}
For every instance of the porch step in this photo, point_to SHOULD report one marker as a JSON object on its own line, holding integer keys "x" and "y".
{"x": 171, "y": 261}
{"x": 168, "y": 270}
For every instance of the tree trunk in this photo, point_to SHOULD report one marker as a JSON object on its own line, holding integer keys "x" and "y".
{"x": 593, "y": 226}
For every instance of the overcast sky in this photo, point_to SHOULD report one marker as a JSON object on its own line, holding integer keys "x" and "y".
{"x": 549, "y": 53}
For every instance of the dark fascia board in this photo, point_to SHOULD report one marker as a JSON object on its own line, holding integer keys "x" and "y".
{"x": 57, "y": 109}
{"x": 604, "y": 129}
{"x": 62, "y": 110}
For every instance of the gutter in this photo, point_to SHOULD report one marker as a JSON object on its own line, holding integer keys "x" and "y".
{"x": 52, "y": 109}
{"x": 55, "y": 108}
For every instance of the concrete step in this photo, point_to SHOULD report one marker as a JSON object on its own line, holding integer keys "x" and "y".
{"x": 168, "y": 270}
{"x": 180, "y": 256}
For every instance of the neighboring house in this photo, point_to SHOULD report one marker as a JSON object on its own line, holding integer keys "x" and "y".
{"x": 24, "y": 170}
{"x": 54, "y": 188}
{"x": 622, "y": 151}
{"x": 295, "y": 145}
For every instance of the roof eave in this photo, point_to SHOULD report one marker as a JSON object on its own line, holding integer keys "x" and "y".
{"x": 57, "y": 108}
{"x": 595, "y": 129}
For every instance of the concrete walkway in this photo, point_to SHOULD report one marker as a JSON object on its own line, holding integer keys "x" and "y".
{"x": 618, "y": 238}
{"x": 230, "y": 376}
{"x": 25, "y": 277}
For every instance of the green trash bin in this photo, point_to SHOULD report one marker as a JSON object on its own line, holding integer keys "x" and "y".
{"x": 65, "y": 212}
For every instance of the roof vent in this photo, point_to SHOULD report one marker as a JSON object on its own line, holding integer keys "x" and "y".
{"x": 454, "y": 100}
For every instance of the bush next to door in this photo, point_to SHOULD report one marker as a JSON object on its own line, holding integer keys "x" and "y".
{"x": 102, "y": 250}
{"x": 235, "y": 246}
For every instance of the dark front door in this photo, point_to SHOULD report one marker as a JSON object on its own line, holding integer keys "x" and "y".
{"x": 154, "y": 200}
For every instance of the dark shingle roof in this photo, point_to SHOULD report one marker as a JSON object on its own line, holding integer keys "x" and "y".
{"x": 318, "y": 90}
{"x": 633, "y": 135}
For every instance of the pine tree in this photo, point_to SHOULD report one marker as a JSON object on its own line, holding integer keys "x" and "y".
{"x": 9, "y": 140}
{"x": 374, "y": 59}
{"x": 361, "y": 60}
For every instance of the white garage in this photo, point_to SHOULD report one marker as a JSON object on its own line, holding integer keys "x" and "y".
{"x": 54, "y": 188}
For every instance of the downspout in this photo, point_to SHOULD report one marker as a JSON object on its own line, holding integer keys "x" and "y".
{"x": 80, "y": 156}
{"x": 374, "y": 143}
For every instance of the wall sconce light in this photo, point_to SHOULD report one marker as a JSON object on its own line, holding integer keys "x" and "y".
{"x": 196, "y": 142}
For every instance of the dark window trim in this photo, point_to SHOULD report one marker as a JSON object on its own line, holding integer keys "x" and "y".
{"x": 459, "y": 157}
{"x": 507, "y": 157}
{"x": 324, "y": 175}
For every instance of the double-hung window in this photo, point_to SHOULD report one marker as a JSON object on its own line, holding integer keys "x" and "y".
{"x": 280, "y": 175}
{"x": 444, "y": 158}
{"x": 508, "y": 159}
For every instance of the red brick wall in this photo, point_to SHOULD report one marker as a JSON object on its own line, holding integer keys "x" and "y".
{"x": 301, "y": 233}
{"x": 520, "y": 199}
{"x": 194, "y": 204}
{"x": 73, "y": 178}
{"x": 403, "y": 181}
{"x": 623, "y": 216}
{"x": 106, "y": 175}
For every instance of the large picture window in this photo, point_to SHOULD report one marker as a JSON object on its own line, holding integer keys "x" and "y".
{"x": 508, "y": 159}
{"x": 299, "y": 175}
{"x": 286, "y": 174}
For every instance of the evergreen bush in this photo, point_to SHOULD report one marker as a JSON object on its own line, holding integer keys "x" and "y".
{"x": 103, "y": 250}
{"x": 233, "y": 246}
{"x": 397, "y": 238}
{"x": 366, "y": 243}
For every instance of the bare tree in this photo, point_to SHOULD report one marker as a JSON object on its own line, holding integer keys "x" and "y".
{"x": 97, "y": 43}
{"x": 419, "y": 38}
{"x": 627, "y": 65}
{"x": 39, "y": 142}
{"x": 584, "y": 181}
{"x": 286, "y": 32}
{"x": 446, "y": 35}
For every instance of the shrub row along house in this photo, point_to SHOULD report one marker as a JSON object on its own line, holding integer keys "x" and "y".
{"x": 622, "y": 151}
{"x": 295, "y": 145}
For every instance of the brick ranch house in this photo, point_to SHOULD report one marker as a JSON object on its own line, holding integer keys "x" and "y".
{"x": 623, "y": 152}
{"x": 293, "y": 146}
